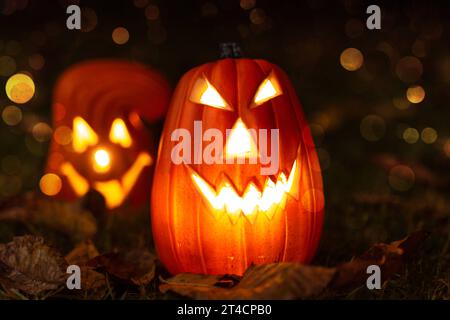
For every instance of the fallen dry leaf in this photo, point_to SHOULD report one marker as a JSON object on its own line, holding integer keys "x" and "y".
{"x": 135, "y": 267}
{"x": 294, "y": 280}
{"x": 80, "y": 256}
{"x": 28, "y": 264}
{"x": 391, "y": 258}
{"x": 261, "y": 282}
{"x": 67, "y": 217}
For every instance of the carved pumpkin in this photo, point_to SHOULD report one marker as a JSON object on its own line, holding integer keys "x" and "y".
{"x": 220, "y": 218}
{"x": 100, "y": 140}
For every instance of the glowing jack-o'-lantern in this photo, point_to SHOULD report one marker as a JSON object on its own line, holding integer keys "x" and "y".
{"x": 221, "y": 216}
{"x": 100, "y": 140}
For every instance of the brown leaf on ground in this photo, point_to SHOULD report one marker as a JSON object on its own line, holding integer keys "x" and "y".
{"x": 135, "y": 267}
{"x": 391, "y": 258}
{"x": 80, "y": 256}
{"x": 269, "y": 281}
{"x": 294, "y": 280}
{"x": 28, "y": 264}
{"x": 67, "y": 217}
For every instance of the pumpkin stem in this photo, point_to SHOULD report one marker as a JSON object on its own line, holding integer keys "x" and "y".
{"x": 230, "y": 50}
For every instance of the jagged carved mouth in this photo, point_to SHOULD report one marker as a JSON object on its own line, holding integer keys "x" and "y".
{"x": 253, "y": 200}
{"x": 116, "y": 190}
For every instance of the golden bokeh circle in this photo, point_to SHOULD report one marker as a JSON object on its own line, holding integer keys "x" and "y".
{"x": 120, "y": 35}
{"x": 415, "y": 94}
{"x": 20, "y": 88}
{"x": 351, "y": 59}
{"x": 50, "y": 184}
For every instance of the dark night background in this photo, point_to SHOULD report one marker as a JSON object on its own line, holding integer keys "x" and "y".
{"x": 385, "y": 160}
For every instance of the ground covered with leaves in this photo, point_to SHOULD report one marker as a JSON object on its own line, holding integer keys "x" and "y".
{"x": 406, "y": 236}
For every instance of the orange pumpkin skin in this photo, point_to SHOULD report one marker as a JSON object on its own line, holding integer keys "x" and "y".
{"x": 100, "y": 91}
{"x": 188, "y": 235}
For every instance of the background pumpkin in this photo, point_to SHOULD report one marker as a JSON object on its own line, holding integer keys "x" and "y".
{"x": 91, "y": 101}
{"x": 191, "y": 236}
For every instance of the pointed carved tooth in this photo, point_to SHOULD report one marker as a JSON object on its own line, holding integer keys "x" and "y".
{"x": 231, "y": 200}
{"x": 292, "y": 182}
{"x": 252, "y": 216}
{"x": 208, "y": 194}
{"x": 234, "y": 216}
{"x": 250, "y": 202}
{"x": 282, "y": 178}
{"x": 271, "y": 211}
{"x": 282, "y": 204}
{"x": 217, "y": 213}
{"x": 267, "y": 196}
{"x": 278, "y": 211}
{"x": 279, "y": 192}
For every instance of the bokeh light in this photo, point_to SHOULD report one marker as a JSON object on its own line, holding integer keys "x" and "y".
{"x": 20, "y": 88}
{"x": 140, "y": 3}
{"x": 429, "y": 135}
{"x": 372, "y": 127}
{"x": 89, "y": 19}
{"x": 401, "y": 102}
{"x": 313, "y": 200}
{"x": 12, "y": 115}
{"x": 411, "y": 135}
{"x": 257, "y": 16}
{"x": 409, "y": 69}
{"x": 401, "y": 178}
{"x": 152, "y": 12}
{"x": 446, "y": 148}
{"x": 247, "y": 4}
{"x": 351, "y": 59}
{"x": 415, "y": 94}
{"x": 120, "y": 35}
{"x": 50, "y": 184}
{"x": 36, "y": 61}
{"x": 42, "y": 132}
{"x": 63, "y": 135}
{"x": 390, "y": 51}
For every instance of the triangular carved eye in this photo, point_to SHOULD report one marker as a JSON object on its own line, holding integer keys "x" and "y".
{"x": 83, "y": 135}
{"x": 204, "y": 93}
{"x": 267, "y": 90}
{"x": 119, "y": 133}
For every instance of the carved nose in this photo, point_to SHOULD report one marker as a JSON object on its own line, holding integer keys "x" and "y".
{"x": 102, "y": 161}
{"x": 241, "y": 142}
